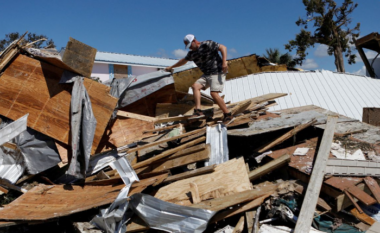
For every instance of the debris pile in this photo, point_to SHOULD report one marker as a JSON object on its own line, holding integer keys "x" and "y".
{"x": 80, "y": 156}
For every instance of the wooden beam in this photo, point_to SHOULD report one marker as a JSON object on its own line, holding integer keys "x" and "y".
{"x": 192, "y": 173}
{"x": 249, "y": 216}
{"x": 239, "y": 226}
{"x": 314, "y": 187}
{"x": 286, "y": 136}
{"x": 362, "y": 217}
{"x": 167, "y": 153}
{"x": 374, "y": 187}
{"x": 353, "y": 201}
{"x": 272, "y": 165}
{"x": 195, "y": 193}
{"x": 170, "y": 163}
{"x": 241, "y": 208}
{"x": 136, "y": 116}
{"x": 130, "y": 150}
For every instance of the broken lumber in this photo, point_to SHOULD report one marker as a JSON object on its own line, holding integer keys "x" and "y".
{"x": 239, "y": 226}
{"x": 188, "y": 174}
{"x": 314, "y": 187}
{"x": 286, "y": 136}
{"x": 268, "y": 167}
{"x": 136, "y": 116}
{"x": 167, "y": 153}
{"x": 373, "y": 186}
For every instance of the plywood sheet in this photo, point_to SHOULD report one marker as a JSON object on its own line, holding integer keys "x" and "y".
{"x": 124, "y": 131}
{"x": 236, "y": 68}
{"x": 229, "y": 178}
{"x": 79, "y": 57}
{"x": 120, "y": 71}
{"x": 31, "y": 86}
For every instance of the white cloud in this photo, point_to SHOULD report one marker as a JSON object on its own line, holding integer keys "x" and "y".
{"x": 369, "y": 54}
{"x": 321, "y": 51}
{"x": 362, "y": 71}
{"x": 162, "y": 53}
{"x": 309, "y": 64}
{"x": 232, "y": 53}
{"x": 179, "y": 53}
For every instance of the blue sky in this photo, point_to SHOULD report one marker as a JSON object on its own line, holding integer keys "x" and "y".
{"x": 156, "y": 28}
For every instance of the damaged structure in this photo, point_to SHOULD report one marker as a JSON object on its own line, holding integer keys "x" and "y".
{"x": 81, "y": 156}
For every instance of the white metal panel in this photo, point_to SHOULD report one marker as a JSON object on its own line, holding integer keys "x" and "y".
{"x": 133, "y": 59}
{"x": 345, "y": 94}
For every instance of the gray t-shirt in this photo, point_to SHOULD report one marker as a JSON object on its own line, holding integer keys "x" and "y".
{"x": 207, "y": 57}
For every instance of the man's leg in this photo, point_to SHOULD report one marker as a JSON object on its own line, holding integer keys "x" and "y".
{"x": 197, "y": 94}
{"x": 219, "y": 101}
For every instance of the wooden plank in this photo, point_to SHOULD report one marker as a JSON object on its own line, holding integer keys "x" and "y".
{"x": 286, "y": 136}
{"x": 136, "y": 116}
{"x": 170, "y": 163}
{"x": 123, "y": 132}
{"x": 362, "y": 217}
{"x": 49, "y": 111}
{"x": 374, "y": 187}
{"x": 310, "y": 201}
{"x": 321, "y": 203}
{"x": 353, "y": 201}
{"x": 189, "y": 151}
{"x": 164, "y": 140}
{"x": 239, "y": 226}
{"x": 271, "y": 166}
{"x": 120, "y": 71}
{"x": 230, "y": 176}
{"x": 188, "y": 174}
{"x": 79, "y": 56}
{"x": 46, "y": 202}
{"x": 174, "y": 109}
{"x": 241, "y": 208}
{"x": 167, "y": 153}
{"x": 371, "y": 116}
{"x": 171, "y": 119}
{"x": 346, "y": 184}
{"x": 195, "y": 193}
{"x": 249, "y": 216}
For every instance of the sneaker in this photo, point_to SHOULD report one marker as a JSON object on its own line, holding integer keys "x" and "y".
{"x": 228, "y": 119}
{"x": 197, "y": 114}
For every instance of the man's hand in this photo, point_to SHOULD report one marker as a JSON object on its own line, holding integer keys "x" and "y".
{"x": 225, "y": 67}
{"x": 169, "y": 69}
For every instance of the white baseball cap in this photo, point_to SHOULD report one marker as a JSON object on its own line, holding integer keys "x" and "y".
{"x": 188, "y": 38}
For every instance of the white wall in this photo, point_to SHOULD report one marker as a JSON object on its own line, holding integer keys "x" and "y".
{"x": 139, "y": 70}
{"x": 100, "y": 70}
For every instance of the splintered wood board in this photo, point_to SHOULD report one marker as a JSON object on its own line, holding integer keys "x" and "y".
{"x": 32, "y": 86}
{"x": 229, "y": 178}
{"x": 42, "y": 203}
{"x": 123, "y": 132}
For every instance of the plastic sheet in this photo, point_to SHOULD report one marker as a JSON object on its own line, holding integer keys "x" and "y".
{"x": 169, "y": 217}
{"x": 216, "y": 136}
{"x": 83, "y": 124}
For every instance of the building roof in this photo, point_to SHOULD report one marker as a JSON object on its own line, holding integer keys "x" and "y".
{"x": 346, "y": 94}
{"x": 128, "y": 59}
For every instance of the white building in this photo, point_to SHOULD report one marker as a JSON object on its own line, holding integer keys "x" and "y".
{"x": 116, "y": 65}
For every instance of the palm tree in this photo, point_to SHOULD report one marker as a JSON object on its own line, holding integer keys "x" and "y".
{"x": 275, "y": 56}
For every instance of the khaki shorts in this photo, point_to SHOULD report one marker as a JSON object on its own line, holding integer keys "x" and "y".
{"x": 214, "y": 81}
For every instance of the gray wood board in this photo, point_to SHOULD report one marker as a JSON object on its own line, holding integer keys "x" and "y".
{"x": 286, "y": 120}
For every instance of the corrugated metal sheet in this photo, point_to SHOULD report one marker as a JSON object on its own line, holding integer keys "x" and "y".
{"x": 133, "y": 59}
{"x": 345, "y": 94}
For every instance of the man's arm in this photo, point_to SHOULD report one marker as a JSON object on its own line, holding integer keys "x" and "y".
{"x": 181, "y": 62}
{"x": 223, "y": 51}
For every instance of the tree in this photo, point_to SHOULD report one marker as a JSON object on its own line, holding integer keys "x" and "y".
{"x": 275, "y": 56}
{"x": 29, "y": 38}
{"x": 331, "y": 28}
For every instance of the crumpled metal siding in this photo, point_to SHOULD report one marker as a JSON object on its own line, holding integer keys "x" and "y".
{"x": 10, "y": 131}
{"x": 216, "y": 136}
{"x": 170, "y": 217}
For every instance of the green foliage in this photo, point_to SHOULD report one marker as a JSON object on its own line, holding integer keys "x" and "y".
{"x": 275, "y": 56}
{"x": 331, "y": 27}
{"x": 30, "y": 37}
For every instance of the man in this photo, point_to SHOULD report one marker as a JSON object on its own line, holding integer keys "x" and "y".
{"x": 206, "y": 56}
